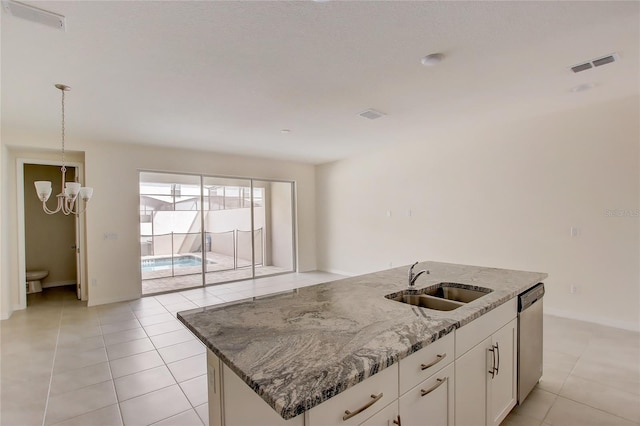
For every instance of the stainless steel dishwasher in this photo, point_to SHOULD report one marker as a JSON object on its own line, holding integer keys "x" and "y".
{"x": 529, "y": 340}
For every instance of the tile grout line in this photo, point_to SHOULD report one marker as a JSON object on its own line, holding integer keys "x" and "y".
{"x": 164, "y": 363}
{"x": 53, "y": 364}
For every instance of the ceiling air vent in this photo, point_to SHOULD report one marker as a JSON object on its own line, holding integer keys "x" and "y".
{"x": 581, "y": 67}
{"x": 595, "y": 63}
{"x": 371, "y": 114}
{"x": 604, "y": 61}
{"x": 34, "y": 14}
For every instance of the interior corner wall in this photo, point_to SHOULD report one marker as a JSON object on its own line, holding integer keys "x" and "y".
{"x": 504, "y": 195}
{"x": 5, "y": 286}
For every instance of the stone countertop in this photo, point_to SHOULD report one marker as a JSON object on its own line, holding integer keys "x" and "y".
{"x": 301, "y": 348}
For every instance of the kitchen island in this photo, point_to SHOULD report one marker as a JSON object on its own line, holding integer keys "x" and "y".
{"x": 299, "y": 351}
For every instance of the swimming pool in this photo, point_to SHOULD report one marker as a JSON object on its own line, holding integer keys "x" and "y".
{"x": 164, "y": 263}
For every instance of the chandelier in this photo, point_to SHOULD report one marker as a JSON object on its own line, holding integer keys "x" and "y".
{"x": 71, "y": 191}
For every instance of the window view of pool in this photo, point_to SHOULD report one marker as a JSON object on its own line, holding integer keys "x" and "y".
{"x": 164, "y": 263}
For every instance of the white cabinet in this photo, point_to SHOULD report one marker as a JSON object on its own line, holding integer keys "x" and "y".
{"x": 502, "y": 387}
{"x": 486, "y": 373}
{"x": 471, "y": 386}
{"x": 214, "y": 388}
{"x": 431, "y": 403}
{"x": 358, "y": 403}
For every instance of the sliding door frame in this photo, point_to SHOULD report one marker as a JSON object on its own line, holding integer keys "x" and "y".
{"x": 294, "y": 228}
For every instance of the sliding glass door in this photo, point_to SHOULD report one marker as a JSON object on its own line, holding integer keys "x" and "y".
{"x": 200, "y": 230}
{"x": 170, "y": 231}
{"x": 227, "y": 226}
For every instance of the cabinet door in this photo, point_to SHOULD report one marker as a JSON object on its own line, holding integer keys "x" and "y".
{"x": 388, "y": 416}
{"x": 502, "y": 387}
{"x": 471, "y": 385}
{"x": 431, "y": 403}
{"x": 214, "y": 389}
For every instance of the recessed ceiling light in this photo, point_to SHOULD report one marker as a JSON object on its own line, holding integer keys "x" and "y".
{"x": 582, "y": 87}
{"x": 432, "y": 59}
{"x": 285, "y": 131}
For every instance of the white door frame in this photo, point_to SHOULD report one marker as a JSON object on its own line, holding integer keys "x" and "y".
{"x": 22, "y": 273}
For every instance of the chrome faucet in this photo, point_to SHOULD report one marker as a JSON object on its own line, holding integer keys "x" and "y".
{"x": 413, "y": 277}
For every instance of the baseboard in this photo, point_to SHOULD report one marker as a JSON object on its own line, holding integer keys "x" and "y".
{"x": 96, "y": 302}
{"x": 625, "y": 325}
{"x": 337, "y": 272}
{"x": 58, "y": 283}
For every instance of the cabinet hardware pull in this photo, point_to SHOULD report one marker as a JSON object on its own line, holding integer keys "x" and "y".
{"x": 439, "y": 358}
{"x": 498, "y": 356}
{"x": 424, "y": 392}
{"x": 398, "y": 422}
{"x": 493, "y": 361}
{"x": 348, "y": 414}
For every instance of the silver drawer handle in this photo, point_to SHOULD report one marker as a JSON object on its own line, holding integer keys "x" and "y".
{"x": 439, "y": 358}
{"x": 348, "y": 414}
{"x": 424, "y": 392}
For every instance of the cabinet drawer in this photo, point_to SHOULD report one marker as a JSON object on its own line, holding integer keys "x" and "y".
{"x": 422, "y": 364}
{"x": 375, "y": 393}
{"x": 479, "y": 329}
{"x": 385, "y": 417}
{"x": 431, "y": 403}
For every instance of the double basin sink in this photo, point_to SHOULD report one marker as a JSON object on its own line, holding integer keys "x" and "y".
{"x": 440, "y": 297}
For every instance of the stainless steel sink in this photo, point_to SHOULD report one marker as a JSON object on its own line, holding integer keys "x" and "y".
{"x": 440, "y": 297}
{"x": 464, "y": 294}
{"x": 429, "y": 302}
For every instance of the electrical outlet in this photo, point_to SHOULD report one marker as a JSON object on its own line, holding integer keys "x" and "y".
{"x": 388, "y": 213}
{"x": 573, "y": 289}
{"x": 94, "y": 282}
{"x": 575, "y": 231}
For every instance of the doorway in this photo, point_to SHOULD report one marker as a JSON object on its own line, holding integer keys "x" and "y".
{"x": 50, "y": 254}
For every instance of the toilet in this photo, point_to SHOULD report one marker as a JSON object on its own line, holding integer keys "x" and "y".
{"x": 34, "y": 278}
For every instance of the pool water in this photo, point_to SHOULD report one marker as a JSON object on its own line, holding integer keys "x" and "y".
{"x": 164, "y": 263}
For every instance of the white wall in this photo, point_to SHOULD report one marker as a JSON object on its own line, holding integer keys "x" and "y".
{"x": 5, "y": 291}
{"x": 112, "y": 169}
{"x": 502, "y": 195}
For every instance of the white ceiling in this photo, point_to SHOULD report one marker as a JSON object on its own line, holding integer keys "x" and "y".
{"x": 228, "y": 76}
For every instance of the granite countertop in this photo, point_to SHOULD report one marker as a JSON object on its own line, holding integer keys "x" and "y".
{"x": 299, "y": 349}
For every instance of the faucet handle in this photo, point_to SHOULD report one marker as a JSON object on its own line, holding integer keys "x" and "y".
{"x": 411, "y": 268}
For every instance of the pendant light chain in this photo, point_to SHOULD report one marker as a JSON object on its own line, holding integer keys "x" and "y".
{"x": 64, "y": 168}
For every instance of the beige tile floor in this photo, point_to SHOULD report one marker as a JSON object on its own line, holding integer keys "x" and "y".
{"x": 133, "y": 363}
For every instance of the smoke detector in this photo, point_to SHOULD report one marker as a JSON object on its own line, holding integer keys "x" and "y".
{"x": 595, "y": 63}
{"x": 432, "y": 59}
{"x": 35, "y": 14}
